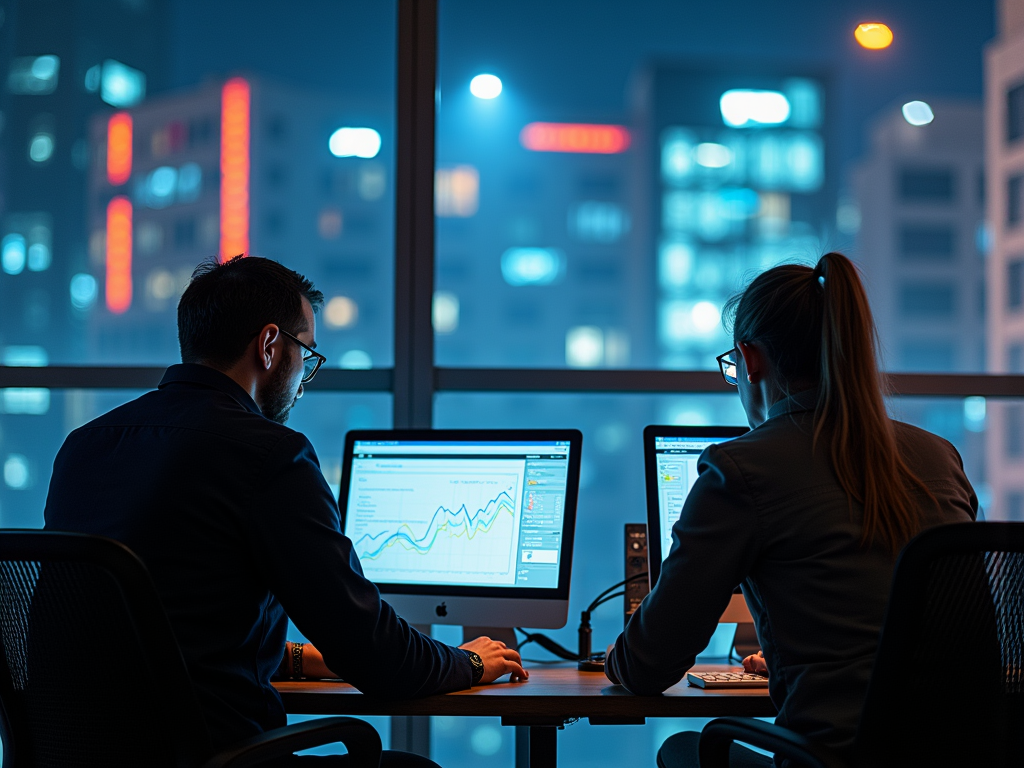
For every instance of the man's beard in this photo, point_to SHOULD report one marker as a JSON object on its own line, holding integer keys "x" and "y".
{"x": 279, "y": 398}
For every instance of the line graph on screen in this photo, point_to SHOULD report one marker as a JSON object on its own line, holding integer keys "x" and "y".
{"x": 431, "y": 524}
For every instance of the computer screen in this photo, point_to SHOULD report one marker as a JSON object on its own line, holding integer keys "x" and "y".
{"x": 462, "y": 513}
{"x": 671, "y": 455}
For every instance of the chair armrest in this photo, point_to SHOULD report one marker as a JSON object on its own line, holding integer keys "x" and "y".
{"x": 718, "y": 736}
{"x": 359, "y": 737}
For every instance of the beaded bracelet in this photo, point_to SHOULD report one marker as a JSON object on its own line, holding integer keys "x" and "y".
{"x": 297, "y": 660}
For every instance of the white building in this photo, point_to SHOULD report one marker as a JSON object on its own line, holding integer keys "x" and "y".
{"x": 921, "y": 241}
{"x": 1004, "y": 163}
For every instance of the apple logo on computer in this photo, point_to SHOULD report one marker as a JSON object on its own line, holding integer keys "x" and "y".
{"x": 441, "y": 610}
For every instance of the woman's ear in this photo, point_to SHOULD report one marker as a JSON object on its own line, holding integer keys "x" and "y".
{"x": 753, "y": 361}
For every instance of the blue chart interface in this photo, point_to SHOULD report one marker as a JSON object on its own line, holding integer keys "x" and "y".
{"x": 466, "y": 514}
{"x": 677, "y": 472}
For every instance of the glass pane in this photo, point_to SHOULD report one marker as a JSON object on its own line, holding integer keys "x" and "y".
{"x": 34, "y": 423}
{"x": 142, "y": 140}
{"x": 606, "y": 179}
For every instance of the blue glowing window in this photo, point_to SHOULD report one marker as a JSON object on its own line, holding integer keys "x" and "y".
{"x": 532, "y": 266}
{"x": 121, "y": 85}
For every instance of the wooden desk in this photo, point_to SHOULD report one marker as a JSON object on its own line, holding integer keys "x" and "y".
{"x": 551, "y": 697}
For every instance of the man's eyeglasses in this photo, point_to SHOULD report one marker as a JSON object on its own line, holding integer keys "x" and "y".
{"x": 727, "y": 365}
{"x": 310, "y": 363}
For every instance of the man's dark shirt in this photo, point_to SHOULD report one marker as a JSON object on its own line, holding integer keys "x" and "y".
{"x": 768, "y": 513}
{"x": 237, "y": 526}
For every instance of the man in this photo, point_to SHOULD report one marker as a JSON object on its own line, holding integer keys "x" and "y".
{"x": 230, "y": 513}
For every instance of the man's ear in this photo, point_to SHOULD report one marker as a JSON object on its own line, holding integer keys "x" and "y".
{"x": 753, "y": 360}
{"x": 265, "y": 352}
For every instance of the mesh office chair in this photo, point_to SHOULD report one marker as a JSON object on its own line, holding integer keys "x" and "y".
{"x": 947, "y": 688}
{"x": 91, "y": 674}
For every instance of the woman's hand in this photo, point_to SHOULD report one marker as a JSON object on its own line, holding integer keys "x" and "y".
{"x": 498, "y": 660}
{"x": 755, "y": 664}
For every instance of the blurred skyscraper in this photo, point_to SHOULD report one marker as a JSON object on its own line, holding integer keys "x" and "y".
{"x": 922, "y": 241}
{"x": 533, "y": 230}
{"x": 61, "y": 61}
{"x": 1004, "y": 166}
{"x": 922, "y": 244}
{"x": 240, "y": 166}
{"x": 737, "y": 177}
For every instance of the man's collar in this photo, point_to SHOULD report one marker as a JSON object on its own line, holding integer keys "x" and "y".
{"x": 205, "y": 376}
{"x": 801, "y": 401}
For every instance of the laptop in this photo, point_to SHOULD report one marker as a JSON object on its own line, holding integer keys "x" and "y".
{"x": 670, "y": 459}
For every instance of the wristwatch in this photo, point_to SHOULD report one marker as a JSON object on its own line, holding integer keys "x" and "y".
{"x": 478, "y": 666}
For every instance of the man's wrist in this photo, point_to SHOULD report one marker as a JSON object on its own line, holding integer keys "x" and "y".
{"x": 477, "y": 663}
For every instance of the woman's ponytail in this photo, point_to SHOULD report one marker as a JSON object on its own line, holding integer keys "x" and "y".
{"x": 851, "y": 410}
{"x": 816, "y": 327}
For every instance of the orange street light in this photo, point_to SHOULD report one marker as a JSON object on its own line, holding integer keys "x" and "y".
{"x": 873, "y": 35}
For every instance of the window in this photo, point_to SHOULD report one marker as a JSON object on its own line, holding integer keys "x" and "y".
{"x": 1015, "y": 358}
{"x": 934, "y": 300}
{"x": 1014, "y": 200}
{"x": 926, "y": 185}
{"x": 927, "y": 242}
{"x": 928, "y": 355}
{"x": 1013, "y": 431}
{"x": 1015, "y": 113}
{"x": 1015, "y": 285}
{"x": 1015, "y": 506}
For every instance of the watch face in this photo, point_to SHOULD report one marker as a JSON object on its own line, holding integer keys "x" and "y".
{"x": 478, "y": 665}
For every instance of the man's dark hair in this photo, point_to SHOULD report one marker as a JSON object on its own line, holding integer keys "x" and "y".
{"x": 226, "y": 305}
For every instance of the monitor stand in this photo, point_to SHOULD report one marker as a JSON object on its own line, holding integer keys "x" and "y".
{"x": 506, "y": 635}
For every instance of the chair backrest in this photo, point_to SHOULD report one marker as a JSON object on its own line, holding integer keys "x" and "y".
{"x": 90, "y": 674}
{"x": 947, "y": 687}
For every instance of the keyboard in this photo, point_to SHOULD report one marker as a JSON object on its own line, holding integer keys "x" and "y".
{"x": 726, "y": 680}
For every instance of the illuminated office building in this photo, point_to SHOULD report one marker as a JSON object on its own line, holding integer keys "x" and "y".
{"x": 533, "y": 231}
{"x": 239, "y": 166}
{"x": 922, "y": 245}
{"x": 60, "y": 62}
{"x": 55, "y": 78}
{"x": 1004, "y": 173}
{"x": 736, "y": 178}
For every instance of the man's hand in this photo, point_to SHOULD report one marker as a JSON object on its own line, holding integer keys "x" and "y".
{"x": 498, "y": 660}
{"x": 755, "y": 664}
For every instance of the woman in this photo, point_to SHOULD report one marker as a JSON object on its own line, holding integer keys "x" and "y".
{"x": 806, "y": 512}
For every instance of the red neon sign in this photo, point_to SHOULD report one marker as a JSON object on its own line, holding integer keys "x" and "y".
{"x": 119, "y": 255}
{"x": 234, "y": 168}
{"x": 119, "y": 148}
{"x": 575, "y": 137}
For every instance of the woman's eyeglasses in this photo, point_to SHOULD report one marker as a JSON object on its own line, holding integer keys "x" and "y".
{"x": 310, "y": 363}
{"x": 727, "y": 365}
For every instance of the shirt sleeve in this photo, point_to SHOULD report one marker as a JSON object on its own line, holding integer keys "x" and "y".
{"x": 310, "y": 566}
{"x": 714, "y": 544}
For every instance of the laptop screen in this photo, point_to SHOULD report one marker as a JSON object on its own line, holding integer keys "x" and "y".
{"x": 458, "y": 512}
{"x": 672, "y": 454}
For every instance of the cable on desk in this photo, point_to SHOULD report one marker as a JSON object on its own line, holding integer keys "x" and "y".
{"x": 585, "y": 632}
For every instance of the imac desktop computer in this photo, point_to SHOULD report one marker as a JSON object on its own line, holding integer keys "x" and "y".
{"x": 467, "y": 527}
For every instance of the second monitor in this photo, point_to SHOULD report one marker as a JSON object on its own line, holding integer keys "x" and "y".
{"x": 469, "y": 527}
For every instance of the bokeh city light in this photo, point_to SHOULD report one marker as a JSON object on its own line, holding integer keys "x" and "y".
{"x": 873, "y": 35}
